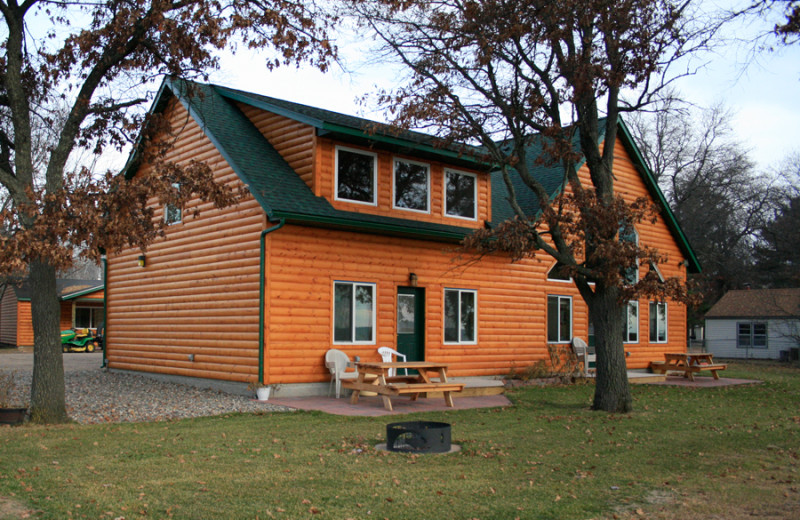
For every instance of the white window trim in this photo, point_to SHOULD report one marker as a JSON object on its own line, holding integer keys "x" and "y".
{"x": 394, "y": 185}
{"x": 474, "y": 321}
{"x": 166, "y": 210}
{"x": 666, "y": 323}
{"x": 571, "y": 319}
{"x": 635, "y": 241}
{"x": 374, "y": 175}
{"x": 556, "y": 279}
{"x": 627, "y": 316}
{"x": 474, "y": 195}
{"x": 353, "y": 310}
{"x": 655, "y": 268}
{"x": 93, "y": 308}
{"x": 753, "y": 334}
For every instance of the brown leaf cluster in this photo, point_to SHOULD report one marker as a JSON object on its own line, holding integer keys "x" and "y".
{"x": 90, "y": 218}
{"x": 593, "y": 250}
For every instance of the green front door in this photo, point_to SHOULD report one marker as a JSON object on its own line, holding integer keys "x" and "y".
{"x": 411, "y": 323}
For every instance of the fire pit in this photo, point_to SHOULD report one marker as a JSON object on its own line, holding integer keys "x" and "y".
{"x": 418, "y": 437}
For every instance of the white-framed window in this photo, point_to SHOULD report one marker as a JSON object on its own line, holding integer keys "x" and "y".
{"x": 655, "y": 269}
{"x": 88, "y": 317}
{"x": 557, "y": 274}
{"x": 460, "y": 316}
{"x": 461, "y": 195}
{"x": 559, "y": 319}
{"x": 658, "y": 322}
{"x": 173, "y": 214}
{"x": 628, "y": 233}
{"x": 751, "y": 334}
{"x": 356, "y": 176}
{"x": 412, "y": 185}
{"x": 353, "y": 313}
{"x": 631, "y": 332}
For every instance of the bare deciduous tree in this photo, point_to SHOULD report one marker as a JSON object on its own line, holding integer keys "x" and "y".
{"x": 98, "y": 59}
{"x": 504, "y": 73}
{"x": 712, "y": 186}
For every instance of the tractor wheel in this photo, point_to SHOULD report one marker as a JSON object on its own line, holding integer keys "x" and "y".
{"x": 90, "y": 346}
{"x": 64, "y": 349}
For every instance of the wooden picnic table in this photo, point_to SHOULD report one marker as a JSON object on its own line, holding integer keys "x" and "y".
{"x": 688, "y": 363}
{"x": 374, "y": 377}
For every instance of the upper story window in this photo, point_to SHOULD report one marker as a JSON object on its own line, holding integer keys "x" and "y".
{"x": 356, "y": 176}
{"x": 411, "y": 185}
{"x": 461, "y": 195}
{"x": 173, "y": 214}
{"x": 627, "y": 233}
{"x": 558, "y": 273}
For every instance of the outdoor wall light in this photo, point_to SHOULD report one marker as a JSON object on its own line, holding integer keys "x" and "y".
{"x": 141, "y": 260}
{"x": 412, "y": 279}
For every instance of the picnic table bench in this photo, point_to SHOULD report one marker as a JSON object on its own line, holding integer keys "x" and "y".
{"x": 432, "y": 377}
{"x": 688, "y": 364}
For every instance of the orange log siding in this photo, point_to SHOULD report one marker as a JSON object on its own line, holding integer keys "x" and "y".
{"x": 66, "y": 316}
{"x": 325, "y": 166}
{"x": 198, "y": 293}
{"x": 9, "y": 307}
{"x": 630, "y": 185}
{"x": 24, "y": 324}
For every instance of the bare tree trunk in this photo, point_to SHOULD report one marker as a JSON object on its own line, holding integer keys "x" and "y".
{"x": 47, "y": 390}
{"x": 612, "y": 390}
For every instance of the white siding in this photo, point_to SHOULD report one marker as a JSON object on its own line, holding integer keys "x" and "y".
{"x": 721, "y": 339}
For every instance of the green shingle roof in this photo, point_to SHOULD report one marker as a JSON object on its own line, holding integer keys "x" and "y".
{"x": 67, "y": 288}
{"x": 282, "y": 194}
{"x": 274, "y": 184}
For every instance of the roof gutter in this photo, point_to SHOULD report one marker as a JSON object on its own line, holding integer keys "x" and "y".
{"x": 374, "y": 227}
{"x": 261, "y": 298}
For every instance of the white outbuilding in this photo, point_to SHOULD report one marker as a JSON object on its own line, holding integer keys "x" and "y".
{"x": 755, "y": 324}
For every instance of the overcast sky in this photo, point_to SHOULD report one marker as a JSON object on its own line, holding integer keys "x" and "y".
{"x": 763, "y": 93}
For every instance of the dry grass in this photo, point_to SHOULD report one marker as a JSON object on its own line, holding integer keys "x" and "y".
{"x": 714, "y": 453}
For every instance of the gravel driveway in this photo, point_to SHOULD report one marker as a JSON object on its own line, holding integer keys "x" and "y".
{"x": 94, "y": 395}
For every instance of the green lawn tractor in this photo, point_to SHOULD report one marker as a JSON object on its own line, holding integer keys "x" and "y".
{"x": 78, "y": 340}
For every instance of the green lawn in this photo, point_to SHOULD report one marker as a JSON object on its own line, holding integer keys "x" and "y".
{"x": 685, "y": 453}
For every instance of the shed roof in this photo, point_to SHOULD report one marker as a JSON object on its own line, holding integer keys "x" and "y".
{"x": 68, "y": 288}
{"x": 757, "y": 303}
{"x": 283, "y": 194}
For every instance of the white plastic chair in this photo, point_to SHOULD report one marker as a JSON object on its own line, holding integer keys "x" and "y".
{"x": 386, "y": 355}
{"x": 584, "y": 353}
{"x": 338, "y": 362}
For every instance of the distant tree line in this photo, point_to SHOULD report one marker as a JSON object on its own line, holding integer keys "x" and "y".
{"x": 743, "y": 222}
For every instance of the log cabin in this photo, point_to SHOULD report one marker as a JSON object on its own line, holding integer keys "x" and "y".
{"x": 82, "y": 307}
{"x": 349, "y": 239}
